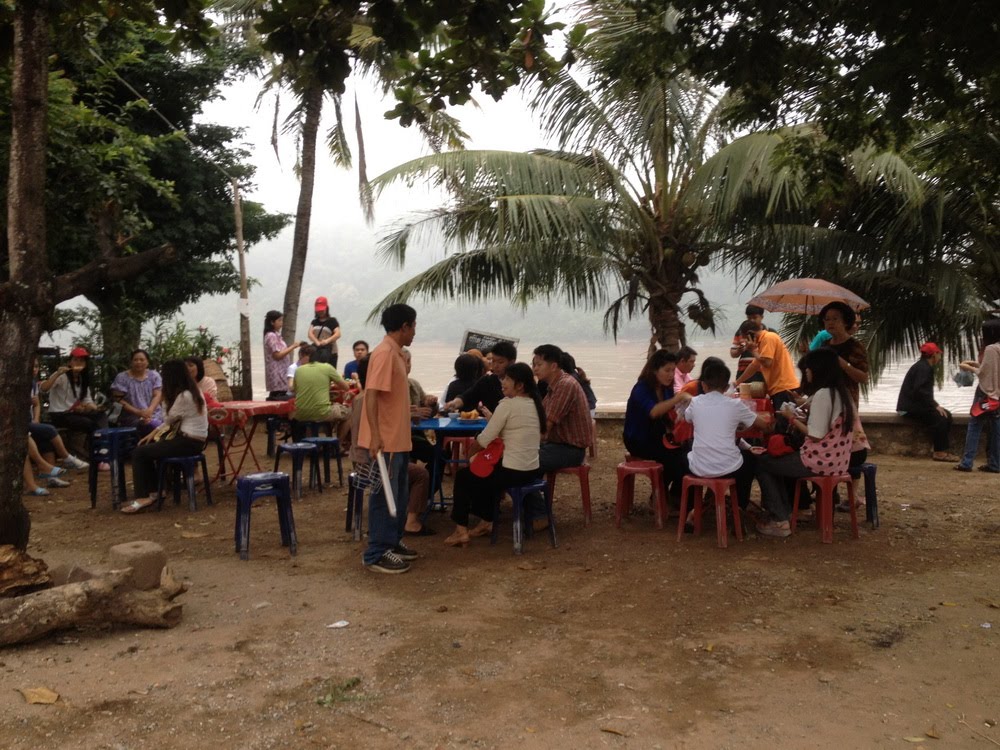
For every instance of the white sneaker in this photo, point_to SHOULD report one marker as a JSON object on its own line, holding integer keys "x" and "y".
{"x": 72, "y": 462}
{"x": 57, "y": 482}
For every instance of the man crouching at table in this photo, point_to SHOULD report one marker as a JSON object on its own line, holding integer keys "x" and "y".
{"x": 385, "y": 429}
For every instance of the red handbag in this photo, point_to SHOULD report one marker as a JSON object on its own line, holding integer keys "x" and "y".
{"x": 483, "y": 463}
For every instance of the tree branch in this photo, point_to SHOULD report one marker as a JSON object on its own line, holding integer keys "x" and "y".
{"x": 103, "y": 271}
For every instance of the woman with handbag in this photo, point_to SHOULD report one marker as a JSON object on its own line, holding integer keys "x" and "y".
{"x": 182, "y": 433}
{"x": 518, "y": 421}
{"x": 827, "y": 436}
{"x": 985, "y": 414}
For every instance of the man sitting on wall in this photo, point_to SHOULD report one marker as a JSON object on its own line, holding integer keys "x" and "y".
{"x": 916, "y": 401}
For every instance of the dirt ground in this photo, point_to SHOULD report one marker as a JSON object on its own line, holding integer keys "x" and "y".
{"x": 617, "y": 638}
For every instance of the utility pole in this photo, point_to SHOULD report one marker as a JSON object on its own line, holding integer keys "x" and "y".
{"x": 244, "y": 306}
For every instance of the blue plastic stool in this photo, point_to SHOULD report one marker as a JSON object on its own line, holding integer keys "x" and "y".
{"x": 298, "y": 452}
{"x": 265, "y": 484}
{"x": 356, "y": 486}
{"x": 110, "y": 445}
{"x": 329, "y": 447}
{"x": 871, "y": 496}
{"x": 517, "y": 495}
{"x": 186, "y": 466}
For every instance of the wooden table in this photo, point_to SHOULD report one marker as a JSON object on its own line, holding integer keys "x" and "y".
{"x": 238, "y": 414}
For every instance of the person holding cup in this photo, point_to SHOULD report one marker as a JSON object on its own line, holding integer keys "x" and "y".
{"x": 826, "y": 447}
{"x": 70, "y": 403}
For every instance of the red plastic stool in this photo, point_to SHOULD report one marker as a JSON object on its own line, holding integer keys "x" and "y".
{"x": 719, "y": 486}
{"x": 459, "y": 448}
{"x": 824, "y": 511}
{"x": 627, "y": 471}
{"x": 582, "y": 472}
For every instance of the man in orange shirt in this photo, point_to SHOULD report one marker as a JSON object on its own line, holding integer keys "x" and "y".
{"x": 385, "y": 428}
{"x": 770, "y": 357}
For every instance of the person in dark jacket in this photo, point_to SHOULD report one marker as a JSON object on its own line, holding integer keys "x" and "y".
{"x": 916, "y": 401}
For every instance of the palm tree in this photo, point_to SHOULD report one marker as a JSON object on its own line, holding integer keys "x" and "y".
{"x": 910, "y": 231}
{"x": 604, "y": 219}
{"x": 306, "y": 73}
{"x": 644, "y": 190}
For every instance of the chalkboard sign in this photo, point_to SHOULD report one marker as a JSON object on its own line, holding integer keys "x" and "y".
{"x": 483, "y": 341}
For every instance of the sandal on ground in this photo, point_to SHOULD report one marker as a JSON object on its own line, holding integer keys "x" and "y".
{"x": 483, "y": 529}
{"x": 959, "y": 467}
{"x": 422, "y": 531}
{"x": 38, "y": 492}
{"x": 946, "y": 457}
{"x": 137, "y": 506}
{"x": 456, "y": 540}
{"x": 53, "y": 472}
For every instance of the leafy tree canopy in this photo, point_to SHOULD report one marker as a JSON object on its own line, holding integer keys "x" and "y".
{"x": 441, "y": 48}
{"x": 878, "y": 70}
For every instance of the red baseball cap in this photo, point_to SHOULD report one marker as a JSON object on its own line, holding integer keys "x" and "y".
{"x": 79, "y": 352}
{"x": 930, "y": 349}
{"x": 321, "y": 304}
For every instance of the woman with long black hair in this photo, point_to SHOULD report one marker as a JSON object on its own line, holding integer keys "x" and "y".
{"x": 828, "y": 433}
{"x": 186, "y": 423}
{"x": 276, "y": 357}
{"x": 70, "y": 403}
{"x": 519, "y": 421}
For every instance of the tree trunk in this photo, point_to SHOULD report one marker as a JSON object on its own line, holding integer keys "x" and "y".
{"x": 107, "y": 600}
{"x": 120, "y": 332}
{"x": 666, "y": 327}
{"x": 303, "y": 214}
{"x": 27, "y": 297}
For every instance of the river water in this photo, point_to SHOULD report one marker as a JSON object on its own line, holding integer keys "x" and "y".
{"x": 613, "y": 368}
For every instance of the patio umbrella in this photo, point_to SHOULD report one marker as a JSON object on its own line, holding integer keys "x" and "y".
{"x": 806, "y": 296}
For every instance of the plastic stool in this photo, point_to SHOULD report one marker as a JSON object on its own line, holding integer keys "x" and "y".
{"x": 459, "y": 449}
{"x": 517, "y": 495}
{"x": 581, "y": 472}
{"x": 871, "y": 496}
{"x": 718, "y": 487}
{"x": 110, "y": 445}
{"x": 627, "y": 472}
{"x": 356, "y": 486}
{"x": 329, "y": 447}
{"x": 824, "y": 510}
{"x": 186, "y": 466}
{"x": 265, "y": 484}
{"x": 298, "y": 452}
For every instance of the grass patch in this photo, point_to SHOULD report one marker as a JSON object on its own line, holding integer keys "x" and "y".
{"x": 339, "y": 692}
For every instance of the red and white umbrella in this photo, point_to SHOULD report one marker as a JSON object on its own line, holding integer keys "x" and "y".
{"x": 806, "y": 296}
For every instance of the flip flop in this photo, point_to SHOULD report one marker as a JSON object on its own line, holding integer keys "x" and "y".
{"x": 136, "y": 507}
{"x": 424, "y": 531}
{"x": 38, "y": 492}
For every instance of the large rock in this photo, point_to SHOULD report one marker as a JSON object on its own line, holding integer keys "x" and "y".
{"x": 147, "y": 560}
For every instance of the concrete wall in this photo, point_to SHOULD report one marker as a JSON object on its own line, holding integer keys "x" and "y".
{"x": 888, "y": 433}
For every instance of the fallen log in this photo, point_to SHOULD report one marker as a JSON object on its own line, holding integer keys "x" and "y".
{"x": 105, "y": 600}
{"x": 20, "y": 573}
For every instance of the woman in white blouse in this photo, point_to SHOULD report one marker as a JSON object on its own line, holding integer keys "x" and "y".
{"x": 519, "y": 421}
{"x": 186, "y": 422}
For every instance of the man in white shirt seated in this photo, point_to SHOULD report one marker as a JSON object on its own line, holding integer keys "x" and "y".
{"x": 716, "y": 419}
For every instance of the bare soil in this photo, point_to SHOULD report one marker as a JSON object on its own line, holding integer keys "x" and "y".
{"x": 617, "y": 638}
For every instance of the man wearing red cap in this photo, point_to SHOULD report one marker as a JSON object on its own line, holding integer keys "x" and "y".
{"x": 916, "y": 401}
